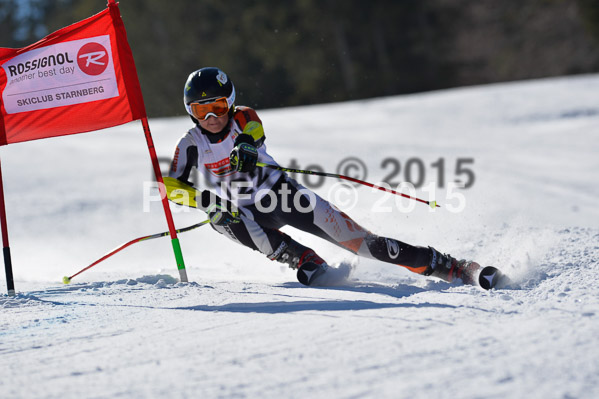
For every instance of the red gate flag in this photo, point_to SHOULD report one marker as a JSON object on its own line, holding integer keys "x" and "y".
{"x": 78, "y": 79}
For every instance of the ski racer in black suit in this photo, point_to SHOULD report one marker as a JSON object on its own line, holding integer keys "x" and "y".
{"x": 225, "y": 144}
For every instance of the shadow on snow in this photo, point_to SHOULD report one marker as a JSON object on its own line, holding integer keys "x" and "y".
{"x": 301, "y": 306}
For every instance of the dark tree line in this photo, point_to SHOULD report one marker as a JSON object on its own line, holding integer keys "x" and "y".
{"x": 285, "y": 53}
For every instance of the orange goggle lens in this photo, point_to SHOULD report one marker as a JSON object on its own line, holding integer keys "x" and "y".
{"x": 218, "y": 107}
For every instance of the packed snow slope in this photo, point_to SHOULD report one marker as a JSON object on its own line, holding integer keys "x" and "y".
{"x": 244, "y": 327}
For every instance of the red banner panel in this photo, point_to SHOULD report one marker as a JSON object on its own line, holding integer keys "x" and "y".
{"x": 78, "y": 79}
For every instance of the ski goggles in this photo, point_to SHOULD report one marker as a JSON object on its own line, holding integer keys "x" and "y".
{"x": 201, "y": 111}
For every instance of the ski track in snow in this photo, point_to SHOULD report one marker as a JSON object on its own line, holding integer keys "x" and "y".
{"x": 240, "y": 329}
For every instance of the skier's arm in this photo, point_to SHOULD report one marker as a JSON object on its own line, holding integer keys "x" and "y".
{"x": 220, "y": 211}
{"x": 251, "y": 126}
{"x": 244, "y": 155}
{"x": 185, "y": 158}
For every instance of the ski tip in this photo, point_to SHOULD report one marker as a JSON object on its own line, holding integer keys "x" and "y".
{"x": 489, "y": 277}
{"x": 66, "y": 280}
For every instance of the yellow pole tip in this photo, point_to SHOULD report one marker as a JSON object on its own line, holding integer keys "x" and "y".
{"x": 433, "y": 204}
{"x": 66, "y": 280}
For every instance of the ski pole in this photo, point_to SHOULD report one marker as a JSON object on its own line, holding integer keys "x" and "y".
{"x": 432, "y": 204}
{"x": 67, "y": 279}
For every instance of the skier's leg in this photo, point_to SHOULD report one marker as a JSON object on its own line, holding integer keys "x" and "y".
{"x": 422, "y": 260}
{"x": 308, "y": 264}
{"x": 251, "y": 234}
{"x": 275, "y": 244}
{"x": 328, "y": 222}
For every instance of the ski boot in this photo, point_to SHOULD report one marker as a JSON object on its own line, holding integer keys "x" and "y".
{"x": 309, "y": 266}
{"x": 447, "y": 268}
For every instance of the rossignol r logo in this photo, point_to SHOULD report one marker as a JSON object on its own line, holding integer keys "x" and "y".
{"x": 92, "y": 58}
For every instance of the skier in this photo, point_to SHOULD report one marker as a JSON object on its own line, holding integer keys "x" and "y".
{"x": 225, "y": 144}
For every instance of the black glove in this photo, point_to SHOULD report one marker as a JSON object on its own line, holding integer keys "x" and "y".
{"x": 219, "y": 215}
{"x": 244, "y": 155}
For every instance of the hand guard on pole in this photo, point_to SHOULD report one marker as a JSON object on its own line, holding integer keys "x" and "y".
{"x": 244, "y": 155}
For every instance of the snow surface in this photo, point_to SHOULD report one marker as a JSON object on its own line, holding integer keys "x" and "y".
{"x": 244, "y": 327}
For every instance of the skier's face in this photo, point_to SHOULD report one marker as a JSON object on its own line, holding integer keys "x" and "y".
{"x": 215, "y": 124}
